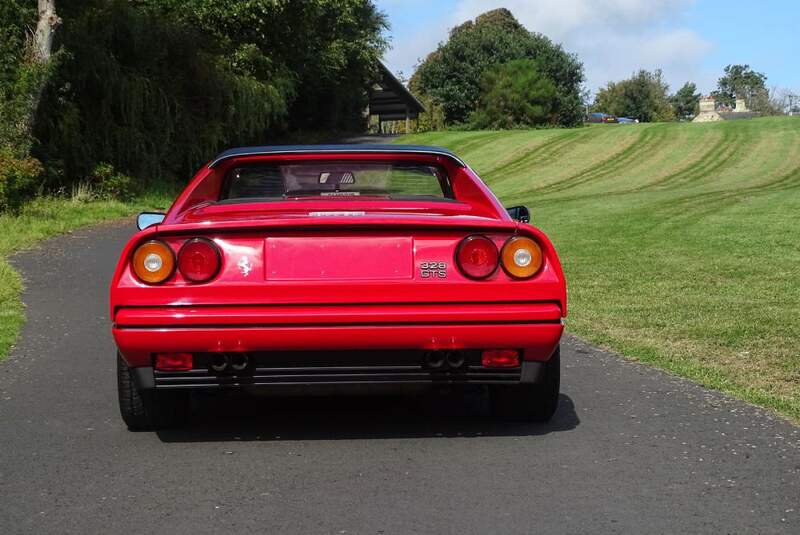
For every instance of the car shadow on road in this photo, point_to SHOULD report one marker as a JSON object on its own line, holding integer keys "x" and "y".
{"x": 222, "y": 418}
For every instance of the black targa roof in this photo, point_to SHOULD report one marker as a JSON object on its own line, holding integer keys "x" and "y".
{"x": 335, "y": 149}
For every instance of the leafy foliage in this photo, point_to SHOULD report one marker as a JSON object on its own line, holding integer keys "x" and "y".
{"x": 148, "y": 95}
{"x": 452, "y": 74}
{"x": 20, "y": 174}
{"x": 18, "y": 76}
{"x": 14, "y": 15}
{"x": 515, "y": 94}
{"x": 110, "y": 184}
{"x": 156, "y": 87}
{"x": 643, "y": 96}
{"x": 686, "y": 101}
{"x": 433, "y": 117}
{"x": 740, "y": 81}
{"x": 18, "y": 179}
{"x": 331, "y": 48}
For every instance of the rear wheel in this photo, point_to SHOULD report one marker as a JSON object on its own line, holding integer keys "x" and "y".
{"x": 530, "y": 402}
{"x": 148, "y": 409}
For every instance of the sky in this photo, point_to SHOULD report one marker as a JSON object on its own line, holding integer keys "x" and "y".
{"x": 689, "y": 40}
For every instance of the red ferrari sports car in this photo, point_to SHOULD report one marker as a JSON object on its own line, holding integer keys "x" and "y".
{"x": 305, "y": 268}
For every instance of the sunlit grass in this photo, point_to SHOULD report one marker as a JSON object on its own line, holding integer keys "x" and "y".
{"x": 42, "y": 219}
{"x": 679, "y": 241}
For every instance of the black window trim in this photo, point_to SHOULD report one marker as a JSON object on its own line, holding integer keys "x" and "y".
{"x": 443, "y": 178}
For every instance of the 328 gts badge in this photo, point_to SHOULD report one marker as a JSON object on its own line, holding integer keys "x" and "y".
{"x": 433, "y": 270}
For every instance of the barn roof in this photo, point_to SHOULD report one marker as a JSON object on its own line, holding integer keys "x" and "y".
{"x": 391, "y": 100}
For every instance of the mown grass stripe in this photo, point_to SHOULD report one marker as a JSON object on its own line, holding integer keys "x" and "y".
{"x": 647, "y": 140}
{"x": 678, "y": 241}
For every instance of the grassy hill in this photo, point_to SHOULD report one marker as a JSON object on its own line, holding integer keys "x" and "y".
{"x": 681, "y": 242}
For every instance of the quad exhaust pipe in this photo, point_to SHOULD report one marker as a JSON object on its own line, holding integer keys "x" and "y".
{"x": 222, "y": 362}
{"x": 439, "y": 360}
{"x": 239, "y": 362}
{"x": 455, "y": 360}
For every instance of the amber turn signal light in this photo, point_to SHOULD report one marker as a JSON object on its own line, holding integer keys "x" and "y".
{"x": 521, "y": 257}
{"x": 153, "y": 262}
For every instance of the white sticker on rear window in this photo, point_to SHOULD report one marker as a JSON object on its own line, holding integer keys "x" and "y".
{"x": 340, "y": 193}
{"x": 333, "y": 214}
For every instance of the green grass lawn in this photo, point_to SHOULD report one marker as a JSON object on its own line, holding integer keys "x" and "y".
{"x": 680, "y": 241}
{"x": 41, "y": 219}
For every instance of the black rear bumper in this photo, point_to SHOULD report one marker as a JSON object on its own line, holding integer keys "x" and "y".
{"x": 274, "y": 370}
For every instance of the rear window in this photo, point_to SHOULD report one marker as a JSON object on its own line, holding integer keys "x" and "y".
{"x": 344, "y": 179}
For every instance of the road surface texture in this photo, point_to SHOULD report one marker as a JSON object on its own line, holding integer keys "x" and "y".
{"x": 631, "y": 449}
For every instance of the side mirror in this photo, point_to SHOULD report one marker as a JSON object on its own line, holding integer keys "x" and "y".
{"x": 148, "y": 219}
{"x": 520, "y": 213}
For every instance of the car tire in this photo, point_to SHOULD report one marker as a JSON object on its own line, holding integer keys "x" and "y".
{"x": 530, "y": 402}
{"x": 147, "y": 410}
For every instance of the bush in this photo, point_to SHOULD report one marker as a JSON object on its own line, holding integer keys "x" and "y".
{"x": 432, "y": 118}
{"x": 643, "y": 96}
{"x": 515, "y": 95}
{"x": 110, "y": 184}
{"x": 18, "y": 179}
{"x": 452, "y": 74}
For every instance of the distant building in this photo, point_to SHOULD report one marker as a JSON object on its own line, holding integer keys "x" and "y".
{"x": 391, "y": 101}
{"x": 710, "y": 112}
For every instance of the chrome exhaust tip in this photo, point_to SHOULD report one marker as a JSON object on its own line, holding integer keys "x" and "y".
{"x": 455, "y": 359}
{"x": 435, "y": 360}
{"x": 219, "y": 362}
{"x": 239, "y": 361}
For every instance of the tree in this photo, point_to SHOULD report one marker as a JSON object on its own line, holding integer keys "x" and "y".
{"x": 686, "y": 101}
{"x": 331, "y": 49}
{"x": 452, "y": 74}
{"x": 783, "y": 101}
{"x": 740, "y": 81}
{"x": 25, "y": 63}
{"x": 156, "y": 87}
{"x": 515, "y": 94}
{"x": 643, "y": 96}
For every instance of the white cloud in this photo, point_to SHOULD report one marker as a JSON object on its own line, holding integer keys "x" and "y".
{"x": 408, "y": 51}
{"x": 559, "y": 17}
{"x": 613, "y": 38}
{"x": 679, "y": 53}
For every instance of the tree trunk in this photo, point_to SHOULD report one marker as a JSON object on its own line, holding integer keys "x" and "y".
{"x": 45, "y": 30}
{"x": 41, "y": 50}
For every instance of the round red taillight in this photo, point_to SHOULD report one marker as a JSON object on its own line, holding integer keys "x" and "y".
{"x": 199, "y": 260}
{"x": 477, "y": 257}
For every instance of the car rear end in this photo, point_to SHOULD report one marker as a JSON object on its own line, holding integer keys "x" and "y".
{"x": 268, "y": 291}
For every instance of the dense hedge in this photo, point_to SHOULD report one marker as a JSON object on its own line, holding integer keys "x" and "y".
{"x": 153, "y": 88}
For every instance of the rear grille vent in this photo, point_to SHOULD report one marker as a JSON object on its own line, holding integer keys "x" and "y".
{"x": 330, "y": 368}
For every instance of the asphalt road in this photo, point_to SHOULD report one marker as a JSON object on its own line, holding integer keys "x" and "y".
{"x": 631, "y": 450}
